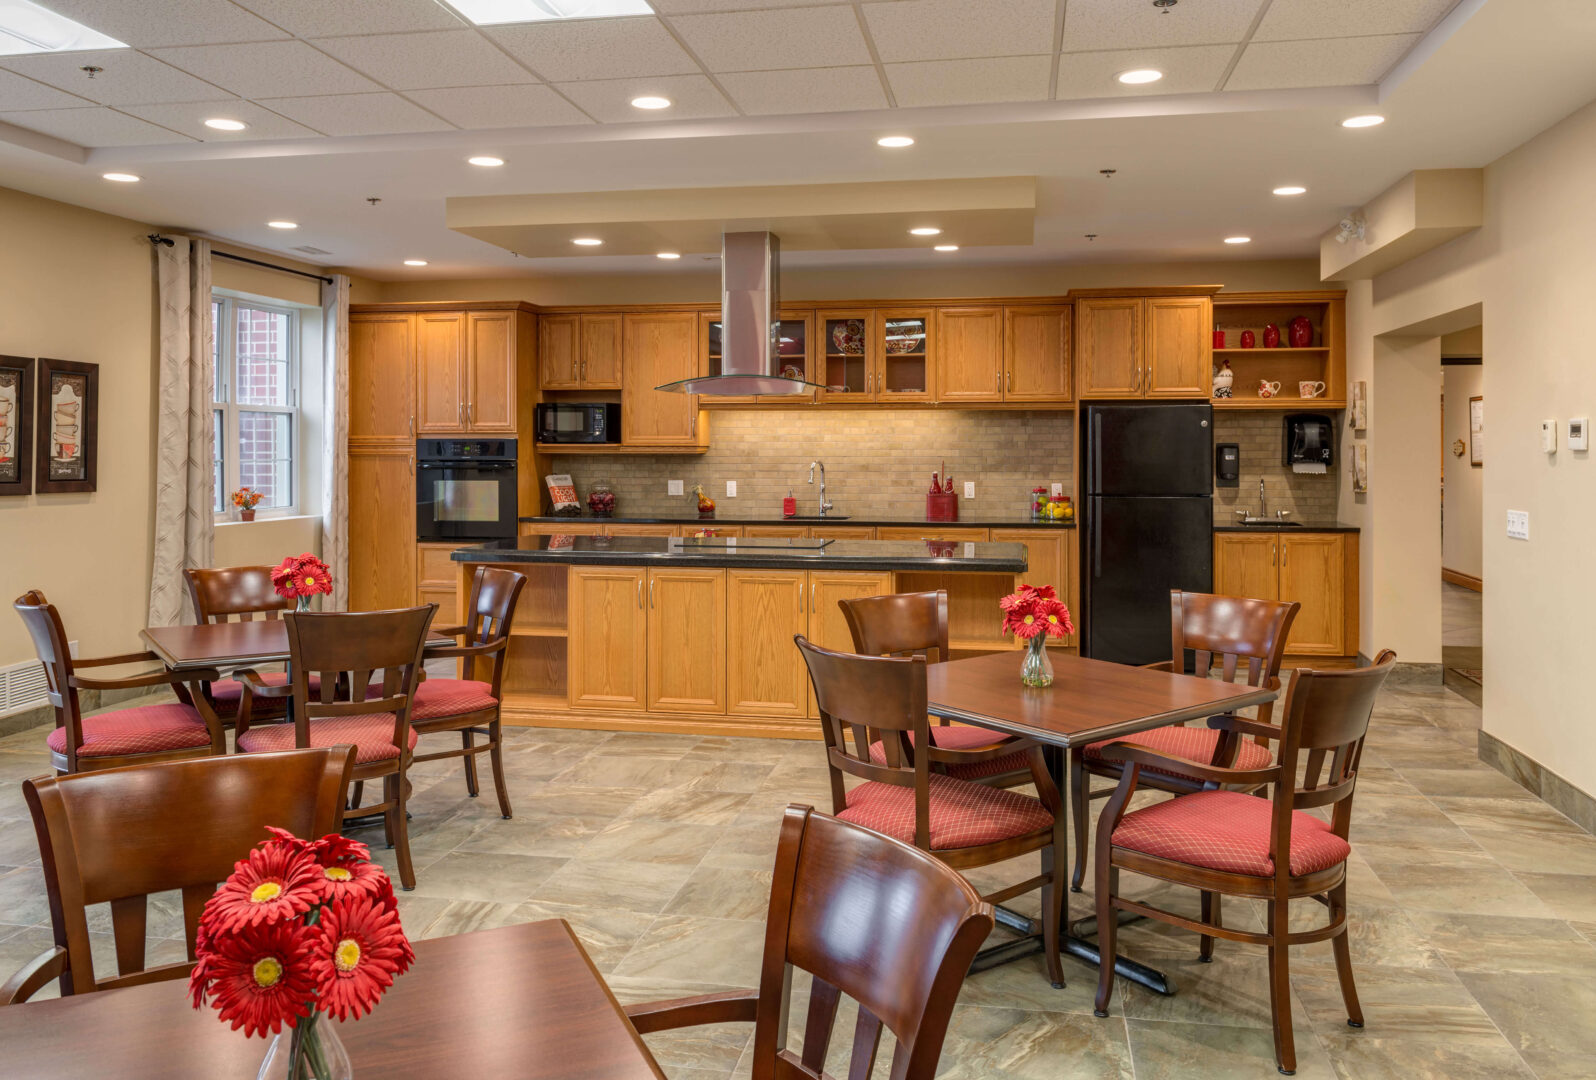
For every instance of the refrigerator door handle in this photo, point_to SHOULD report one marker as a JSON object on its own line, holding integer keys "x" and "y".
{"x": 1097, "y": 551}
{"x": 1097, "y": 453}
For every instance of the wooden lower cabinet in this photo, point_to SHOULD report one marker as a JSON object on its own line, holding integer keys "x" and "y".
{"x": 639, "y": 530}
{"x": 607, "y": 637}
{"x": 1047, "y": 553}
{"x": 931, "y": 532}
{"x": 1317, "y": 570}
{"x": 382, "y": 527}
{"x": 828, "y": 628}
{"x": 765, "y": 674}
{"x": 789, "y": 531}
{"x": 1247, "y": 564}
{"x": 687, "y": 641}
{"x": 437, "y": 581}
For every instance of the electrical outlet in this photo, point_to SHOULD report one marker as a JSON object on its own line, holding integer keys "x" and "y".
{"x": 731, "y": 489}
{"x": 673, "y": 487}
{"x": 1058, "y": 491}
{"x": 1518, "y": 524}
{"x": 969, "y": 489}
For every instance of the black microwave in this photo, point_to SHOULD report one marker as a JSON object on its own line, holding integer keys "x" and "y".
{"x": 579, "y": 422}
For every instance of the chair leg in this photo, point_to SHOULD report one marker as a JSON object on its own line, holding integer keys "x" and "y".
{"x": 1080, "y": 814}
{"x": 468, "y": 741}
{"x": 1280, "y": 988}
{"x": 355, "y": 792}
{"x": 394, "y": 791}
{"x": 1053, "y": 857}
{"x": 1107, "y": 931}
{"x": 1213, "y": 915}
{"x": 1343, "y": 951}
{"x": 496, "y": 759}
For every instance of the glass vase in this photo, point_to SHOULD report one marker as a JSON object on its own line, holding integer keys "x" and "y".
{"x": 304, "y": 604}
{"x": 1037, "y": 667}
{"x": 311, "y": 1051}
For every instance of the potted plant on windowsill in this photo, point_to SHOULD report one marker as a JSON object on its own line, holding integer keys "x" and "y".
{"x": 246, "y": 500}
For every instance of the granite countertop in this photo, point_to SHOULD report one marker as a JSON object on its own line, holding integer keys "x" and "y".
{"x": 877, "y": 555}
{"x": 1301, "y": 526}
{"x": 988, "y": 521}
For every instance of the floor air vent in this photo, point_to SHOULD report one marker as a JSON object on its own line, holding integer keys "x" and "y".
{"x": 23, "y": 686}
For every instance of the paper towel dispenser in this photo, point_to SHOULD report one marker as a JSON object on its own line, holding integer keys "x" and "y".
{"x": 1309, "y": 442}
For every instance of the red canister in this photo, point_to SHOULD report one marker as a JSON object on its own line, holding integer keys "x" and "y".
{"x": 1247, "y": 339}
{"x": 1271, "y": 336}
{"x": 1219, "y": 339}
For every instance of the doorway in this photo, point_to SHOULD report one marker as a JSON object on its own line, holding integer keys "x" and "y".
{"x": 1462, "y": 513}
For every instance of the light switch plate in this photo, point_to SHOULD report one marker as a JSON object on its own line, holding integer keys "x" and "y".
{"x": 1549, "y": 436}
{"x": 1058, "y": 491}
{"x": 1518, "y": 524}
{"x": 731, "y": 489}
{"x": 969, "y": 489}
{"x": 1578, "y": 433}
{"x": 673, "y": 487}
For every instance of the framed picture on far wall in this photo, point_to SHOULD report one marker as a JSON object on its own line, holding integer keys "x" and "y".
{"x": 16, "y": 425}
{"x": 68, "y": 427}
{"x": 1476, "y": 431}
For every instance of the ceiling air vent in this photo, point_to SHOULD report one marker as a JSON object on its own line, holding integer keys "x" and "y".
{"x": 310, "y": 250}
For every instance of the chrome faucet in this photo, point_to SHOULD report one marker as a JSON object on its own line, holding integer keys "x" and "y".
{"x": 813, "y": 465}
{"x": 1263, "y": 500}
{"x": 1263, "y": 508}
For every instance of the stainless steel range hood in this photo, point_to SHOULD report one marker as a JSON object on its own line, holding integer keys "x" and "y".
{"x": 750, "y": 323}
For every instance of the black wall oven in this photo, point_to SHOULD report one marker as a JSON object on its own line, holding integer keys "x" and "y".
{"x": 465, "y": 489}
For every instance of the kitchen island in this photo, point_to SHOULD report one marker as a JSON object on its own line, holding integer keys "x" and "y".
{"x": 688, "y": 635}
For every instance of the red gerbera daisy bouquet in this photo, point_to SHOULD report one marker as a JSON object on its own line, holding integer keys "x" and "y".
{"x": 300, "y": 930}
{"x": 1034, "y": 613}
{"x": 300, "y": 577}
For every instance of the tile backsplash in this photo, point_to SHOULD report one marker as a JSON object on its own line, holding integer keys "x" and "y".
{"x": 878, "y": 462}
{"x": 1310, "y": 498}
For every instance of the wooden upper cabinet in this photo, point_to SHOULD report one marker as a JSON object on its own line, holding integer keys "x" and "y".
{"x": 1246, "y": 564}
{"x": 1178, "y": 351}
{"x": 1313, "y": 573}
{"x": 904, "y": 364}
{"x": 607, "y": 638}
{"x": 440, "y": 372}
{"x": 969, "y": 354}
{"x": 1108, "y": 346}
{"x": 601, "y": 352}
{"x": 490, "y": 372}
{"x": 1036, "y": 353}
{"x": 765, "y": 672}
{"x": 659, "y": 348}
{"x": 560, "y": 351}
{"x": 686, "y": 641}
{"x": 382, "y": 379}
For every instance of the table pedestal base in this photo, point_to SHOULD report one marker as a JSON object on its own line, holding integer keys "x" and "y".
{"x": 1079, "y": 948}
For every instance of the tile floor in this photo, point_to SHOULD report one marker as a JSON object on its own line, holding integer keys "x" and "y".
{"x": 1462, "y": 635}
{"x": 1474, "y": 904}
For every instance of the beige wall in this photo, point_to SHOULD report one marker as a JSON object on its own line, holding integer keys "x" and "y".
{"x": 1463, "y": 525}
{"x": 1530, "y": 268}
{"x": 266, "y": 541}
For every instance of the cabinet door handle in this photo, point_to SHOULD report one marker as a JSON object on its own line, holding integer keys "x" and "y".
{"x": 640, "y": 594}
{"x": 651, "y": 593}
{"x": 1009, "y": 383}
{"x": 412, "y": 425}
{"x": 811, "y": 598}
{"x": 1284, "y": 553}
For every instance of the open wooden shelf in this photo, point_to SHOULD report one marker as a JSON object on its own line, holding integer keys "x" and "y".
{"x": 1323, "y": 361}
{"x": 536, "y": 630}
{"x": 615, "y": 448}
{"x": 1271, "y": 352}
{"x": 1283, "y": 403}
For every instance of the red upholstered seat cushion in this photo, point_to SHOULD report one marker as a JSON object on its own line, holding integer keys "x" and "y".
{"x": 451, "y": 697}
{"x": 967, "y": 738}
{"x": 1192, "y": 743}
{"x": 962, "y": 814}
{"x": 1228, "y": 831}
{"x": 148, "y": 729}
{"x": 371, "y": 735}
{"x": 227, "y": 693}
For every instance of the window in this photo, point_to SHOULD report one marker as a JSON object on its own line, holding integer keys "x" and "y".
{"x": 255, "y": 357}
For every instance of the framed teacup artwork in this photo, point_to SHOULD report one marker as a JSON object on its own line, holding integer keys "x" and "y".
{"x": 68, "y": 422}
{"x": 16, "y": 425}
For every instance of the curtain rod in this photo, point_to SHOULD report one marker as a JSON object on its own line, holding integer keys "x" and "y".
{"x": 157, "y": 238}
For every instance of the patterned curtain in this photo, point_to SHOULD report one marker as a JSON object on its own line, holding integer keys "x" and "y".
{"x": 185, "y": 495}
{"x": 335, "y": 440}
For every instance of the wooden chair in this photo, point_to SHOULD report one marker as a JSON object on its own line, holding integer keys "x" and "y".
{"x": 118, "y": 835}
{"x": 471, "y": 706}
{"x": 239, "y": 593}
{"x": 1231, "y": 629}
{"x": 1234, "y": 844}
{"x": 965, "y": 825}
{"x": 916, "y": 624}
{"x": 170, "y": 731}
{"x": 889, "y": 926}
{"x": 345, "y": 650}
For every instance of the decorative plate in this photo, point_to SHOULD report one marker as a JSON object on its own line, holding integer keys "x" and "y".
{"x": 849, "y": 336}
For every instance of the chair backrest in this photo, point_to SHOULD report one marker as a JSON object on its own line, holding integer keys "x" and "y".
{"x": 873, "y": 919}
{"x": 118, "y": 835}
{"x": 244, "y": 592}
{"x": 346, "y": 650}
{"x": 1247, "y": 637}
{"x": 901, "y": 624}
{"x": 50, "y": 642}
{"x": 489, "y": 614}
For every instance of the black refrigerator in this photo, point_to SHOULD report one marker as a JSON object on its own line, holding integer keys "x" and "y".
{"x": 1147, "y": 524}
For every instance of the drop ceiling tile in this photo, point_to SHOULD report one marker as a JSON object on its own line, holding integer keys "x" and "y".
{"x": 1124, "y": 24}
{"x": 189, "y": 117}
{"x": 270, "y": 69}
{"x": 93, "y": 127}
{"x": 128, "y": 78}
{"x": 596, "y": 49}
{"x": 524, "y": 105}
{"x": 357, "y": 114}
{"x": 805, "y": 90}
{"x": 318, "y": 18}
{"x": 970, "y": 82}
{"x": 427, "y": 60}
{"x": 697, "y": 7}
{"x": 1195, "y": 69}
{"x": 610, "y": 100}
{"x": 154, "y": 23}
{"x": 766, "y": 40}
{"x": 20, "y": 93}
{"x": 1279, "y": 65}
{"x": 958, "y": 29}
{"x": 1290, "y": 20}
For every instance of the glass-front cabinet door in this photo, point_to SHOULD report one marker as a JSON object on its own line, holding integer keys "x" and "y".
{"x": 903, "y": 371}
{"x": 846, "y": 355}
{"x": 709, "y": 342}
{"x": 794, "y": 357}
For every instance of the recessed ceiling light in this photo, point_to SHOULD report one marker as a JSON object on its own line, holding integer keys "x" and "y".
{"x": 1290, "y": 189}
{"x": 947, "y": 247}
{"x": 415, "y": 262}
{"x": 668, "y": 255}
{"x": 282, "y": 224}
{"x": 496, "y": 12}
{"x": 1238, "y": 239}
{"x": 893, "y": 142}
{"x": 1139, "y": 76}
{"x": 485, "y": 161}
{"x": 1370, "y": 120}
{"x": 220, "y": 123}
{"x": 925, "y": 230}
{"x": 122, "y": 177}
{"x": 587, "y": 241}
{"x": 25, "y": 27}
{"x": 651, "y": 101}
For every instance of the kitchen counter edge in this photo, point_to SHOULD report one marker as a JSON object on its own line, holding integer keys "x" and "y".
{"x": 860, "y": 522}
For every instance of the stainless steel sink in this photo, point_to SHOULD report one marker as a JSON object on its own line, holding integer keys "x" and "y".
{"x": 813, "y": 517}
{"x": 1273, "y": 523}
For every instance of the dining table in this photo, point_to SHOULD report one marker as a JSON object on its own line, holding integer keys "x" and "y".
{"x": 521, "y": 1001}
{"x": 228, "y": 644}
{"x": 1088, "y": 701}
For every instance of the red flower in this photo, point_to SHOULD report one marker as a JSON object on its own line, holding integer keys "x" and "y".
{"x": 359, "y": 948}
{"x": 301, "y": 575}
{"x": 1035, "y": 609}
{"x": 260, "y": 979}
{"x": 272, "y": 884}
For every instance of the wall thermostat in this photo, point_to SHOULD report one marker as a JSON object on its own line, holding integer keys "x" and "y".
{"x": 1549, "y": 436}
{"x": 1579, "y": 433}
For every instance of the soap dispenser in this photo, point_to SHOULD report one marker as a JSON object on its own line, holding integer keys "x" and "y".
{"x": 789, "y": 505}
